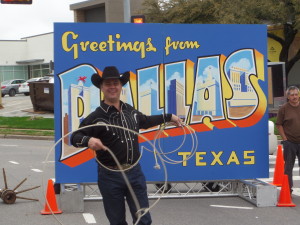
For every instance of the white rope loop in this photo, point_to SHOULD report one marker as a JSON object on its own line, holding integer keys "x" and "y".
{"x": 160, "y": 154}
{"x": 159, "y": 149}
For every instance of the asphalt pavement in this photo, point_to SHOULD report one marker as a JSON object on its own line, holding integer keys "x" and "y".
{"x": 21, "y": 105}
{"x": 33, "y": 160}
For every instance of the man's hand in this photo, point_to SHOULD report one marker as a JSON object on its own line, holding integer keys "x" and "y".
{"x": 96, "y": 144}
{"x": 175, "y": 119}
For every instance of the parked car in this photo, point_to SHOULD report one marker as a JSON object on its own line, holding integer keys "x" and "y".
{"x": 11, "y": 87}
{"x": 24, "y": 88}
{"x": 48, "y": 78}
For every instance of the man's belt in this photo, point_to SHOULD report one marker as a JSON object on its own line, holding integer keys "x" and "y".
{"x": 123, "y": 167}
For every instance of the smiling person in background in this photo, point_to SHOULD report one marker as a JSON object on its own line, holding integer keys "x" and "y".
{"x": 288, "y": 125}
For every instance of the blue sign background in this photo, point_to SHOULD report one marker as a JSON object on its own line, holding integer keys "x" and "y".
{"x": 214, "y": 40}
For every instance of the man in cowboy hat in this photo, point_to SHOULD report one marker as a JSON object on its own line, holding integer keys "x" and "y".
{"x": 122, "y": 143}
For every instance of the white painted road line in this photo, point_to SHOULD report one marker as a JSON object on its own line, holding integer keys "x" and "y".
{"x": 9, "y": 145}
{"x": 37, "y": 170}
{"x": 48, "y": 162}
{"x": 296, "y": 191}
{"x": 13, "y": 162}
{"x": 231, "y": 207}
{"x": 89, "y": 218}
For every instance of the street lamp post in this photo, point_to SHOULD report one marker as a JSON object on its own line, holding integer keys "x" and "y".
{"x": 126, "y": 11}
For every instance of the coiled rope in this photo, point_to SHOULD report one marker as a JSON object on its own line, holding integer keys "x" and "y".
{"x": 158, "y": 153}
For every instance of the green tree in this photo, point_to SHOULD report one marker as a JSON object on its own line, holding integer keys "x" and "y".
{"x": 179, "y": 11}
{"x": 284, "y": 12}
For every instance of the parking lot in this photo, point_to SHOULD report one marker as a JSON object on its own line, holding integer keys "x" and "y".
{"x": 21, "y": 105}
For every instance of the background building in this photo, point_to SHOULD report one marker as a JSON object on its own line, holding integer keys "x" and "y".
{"x": 105, "y": 11}
{"x": 26, "y": 58}
{"x": 34, "y": 56}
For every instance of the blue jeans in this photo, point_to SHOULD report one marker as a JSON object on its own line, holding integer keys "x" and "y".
{"x": 114, "y": 192}
{"x": 290, "y": 152}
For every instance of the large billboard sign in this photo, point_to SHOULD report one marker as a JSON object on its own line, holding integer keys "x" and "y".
{"x": 212, "y": 76}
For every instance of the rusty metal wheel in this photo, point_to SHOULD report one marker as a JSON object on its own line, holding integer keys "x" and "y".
{"x": 9, "y": 196}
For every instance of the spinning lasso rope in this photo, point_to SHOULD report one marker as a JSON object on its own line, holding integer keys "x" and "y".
{"x": 140, "y": 211}
{"x": 160, "y": 151}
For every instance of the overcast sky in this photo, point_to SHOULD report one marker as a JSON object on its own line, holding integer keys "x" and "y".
{"x": 18, "y": 21}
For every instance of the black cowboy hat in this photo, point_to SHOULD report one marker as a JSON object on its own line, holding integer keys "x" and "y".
{"x": 110, "y": 72}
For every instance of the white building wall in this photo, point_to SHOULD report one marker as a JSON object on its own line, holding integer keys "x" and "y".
{"x": 12, "y": 51}
{"x": 35, "y": 47}
{"x": 41, "y": 47}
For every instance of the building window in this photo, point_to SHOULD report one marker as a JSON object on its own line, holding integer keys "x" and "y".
{"x": 39, "y": 70}
{"x": 21, "y": 72}
{"x": 13, "y": 72}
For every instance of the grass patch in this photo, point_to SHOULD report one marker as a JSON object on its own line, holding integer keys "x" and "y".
{"x": 273, "y": 119}
{"x": 33, "y": 122}
{"x": 34, "y": 126}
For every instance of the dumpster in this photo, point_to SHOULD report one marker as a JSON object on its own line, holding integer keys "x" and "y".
{"x": 42, "y": 96}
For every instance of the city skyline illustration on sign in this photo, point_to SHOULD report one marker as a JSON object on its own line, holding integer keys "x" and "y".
{"x": 221, "y": 89}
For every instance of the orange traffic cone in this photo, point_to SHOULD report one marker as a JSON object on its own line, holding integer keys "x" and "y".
{"x": 285, "y": 194}
{"x": 50, "y": 205}
{"x": 279, "y": 168}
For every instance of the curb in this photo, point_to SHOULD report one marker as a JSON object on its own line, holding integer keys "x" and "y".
{"x": 28, "y": 137}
